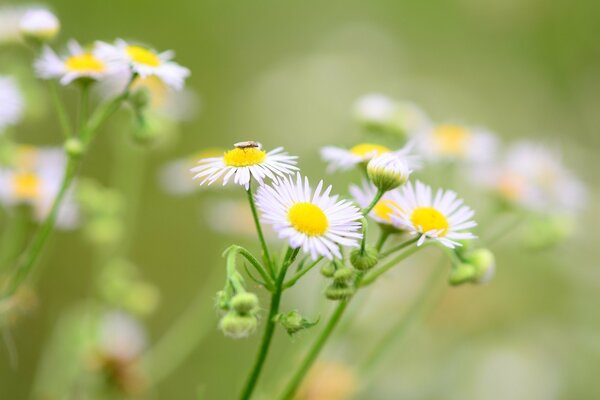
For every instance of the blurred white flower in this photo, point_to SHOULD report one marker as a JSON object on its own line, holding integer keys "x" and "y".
{"x": 39, "y": 23}
{"x": 176, "y": 177}
{"x": 11, "y": 102}
{"x": 78, "y": 63}
{"x": 146, "y": 62}
{"x": 10, "y": 18}
{"x": 383, "y": 210}
{"x": 121, "y": 337}
{"x": 453, "y": 142}
{"x": 340, "y": 158}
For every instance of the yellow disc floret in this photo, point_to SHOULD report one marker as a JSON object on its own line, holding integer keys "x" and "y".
{"x": 308, "y": 218}
{"x": 452, "y": 139}
{"x": 143, "y": 56}
{"x": 26, "y": 186}
{"x": 369, "y": 150}
{"x": 85, "y": 63}
{"x": 429, "y": 219}
{"x": 384, "y": 210}
{"x": 244, "y": 157}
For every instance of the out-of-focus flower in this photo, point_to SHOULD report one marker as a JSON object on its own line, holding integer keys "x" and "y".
{"x": 383, "y": 210}
{"x": 11, "y": 103}
{"x": 388, "y": 171}
{"x": 328, "y": 380}
{"x": 379, "y": 112}
{"x": 533, "y": 176}
{"x": 146, "y": 62}
{"x": 245, "y": 161}
{"x": 443, "y": 218}
{"x": 343, "y": 159}
{"x": 233, "y": 217}
{"x": 453, "y": 142}
{"x": 79, "y": 63}
{"x": 314, "y": 221}
{"x": 39, "y": 24}
{"x": 34, "y": 179}
{"x": 176, "y": 178}
{"x": 10, "y": 17}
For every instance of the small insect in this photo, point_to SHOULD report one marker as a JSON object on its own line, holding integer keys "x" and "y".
{"x": 248, "y": 145}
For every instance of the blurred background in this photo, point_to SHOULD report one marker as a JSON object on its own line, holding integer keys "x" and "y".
{"x": 288, "y": 73}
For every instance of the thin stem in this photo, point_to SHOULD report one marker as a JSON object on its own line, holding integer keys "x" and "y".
{"x": 256, "y": 264}
{"x": 84, "y": 106}
{"x": 383, "y": 237}
{"x": 301, "y": 273}
{"x": 261, "y": 236}
{"x": 373, "y": 275}
{"x": 61, "y": 112}
{"x": 14, "y": 237}
{"x": 375, "y": 200}
{"x": 269, "y": 327}
{"x": 314, "y": 351}
{"x": 33, "y": 251}
{"x": 399, "y": 247}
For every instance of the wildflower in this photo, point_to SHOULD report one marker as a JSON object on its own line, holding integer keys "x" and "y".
{"x": 78, "y": 64}
{"x": 344, "y": 159}
{"x": 388, "y": 171}
{"x": 39, "y": 24}
{"x": 11, "y": 103}
{"x": 245, "y": 161}
{"x": 314, "y": 221}
{"x": 146, "y": 62}
{"x": 444, "y": 218}
{"x": 457, "y": 142}
{"x": 383, "y": 210}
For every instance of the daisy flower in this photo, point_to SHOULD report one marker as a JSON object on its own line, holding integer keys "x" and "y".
{"x": 11, "y": 103}
{"x": 316, "y": 222}
{"x": 457, "y": 142}
{"x": 340, "y": 158}
{"x": 39, "y": 23}
{"x": 245, "y": 161}
{"x": 146, "y": 62}
{"x": 79, "y": 63}
{"x": 383, "y": 210}
{"x": 443, "y": 218}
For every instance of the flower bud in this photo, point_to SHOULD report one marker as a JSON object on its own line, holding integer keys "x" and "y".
{"x": 294, "y": 322}
{"x": 245, "y": 303}
{"x": 388, "y": 171}
{"x": 328, "y": 270}
{"x": 237, "y": 326}
{"x": 339, "y": 292}
{"x": 39, "y": 24}
{"x": 343, "y": 275}
{"x": 461, "y": 273}
{"x": 485, "y": 265}
{"x": 364, "y": 261}
{"x": 74, "y": 147}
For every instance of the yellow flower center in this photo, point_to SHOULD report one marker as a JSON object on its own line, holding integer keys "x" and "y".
{"x": 244, "y": 157}
{"x": 26, "y": 186}
{"x": 429, "y": 219}
{"x": 384, "y": 209}
{"x": 452, "y": 139}
{"x": 308, "y": 218}
{"x": 144, "y": 56}
{"x": 369, "y": 150}
{"x": 85, "y": 63}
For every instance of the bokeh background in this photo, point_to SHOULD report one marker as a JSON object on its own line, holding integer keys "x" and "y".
{"x": 287, "y": 73}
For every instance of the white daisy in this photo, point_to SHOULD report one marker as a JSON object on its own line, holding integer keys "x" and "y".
{"x": 383, "y": 210}
{"x": 79, "y": 63}
{"x": 146, "y": 62}
{"x": 443, "y": 218}
{"x": 39, "y": 23}
{"x": 11, "y": 102}
{"x": 340, "y": 158}
{"x": 245, "y": 161}
{"x": 380, "y": 111}
{"x": 314, "y": 221}
{"x": 533, "y": 176}
{"x": 457, "y": 142}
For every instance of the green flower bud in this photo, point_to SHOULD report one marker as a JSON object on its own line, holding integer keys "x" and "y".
{"x": 343, "y": 275}
{"x": 462, "y": 273}
{"x": 222, "y": 300}
{"x": 294, "y": 322}
{"x": 364, "y": 261}
{"x": 485, "y": 264}
{"x": 388, "y": 171}
{"x": 328, "y": 270}
{"x": 237, "y": 326}
{"x": 339, "y": 292}
{"x": 74, "y": 147}
{"x": 245, "y": 303}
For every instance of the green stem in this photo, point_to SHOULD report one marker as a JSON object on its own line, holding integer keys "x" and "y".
{"x": 261, "y": 236}
{"x": 314, "y": 351}
{"x": 373, "y": 275}
{"x": 15, "y": 235}
{"x": 269, "y": 327}
{"x": 399, "y": 247}
{"x": 84, "y": 106}
{"x": 375, "y": 200}
{"x": 301, "y": 273}
{"x": 383, "y": 237}
{"x": 37, "y": 243}
{"x": 59, "y": 107}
